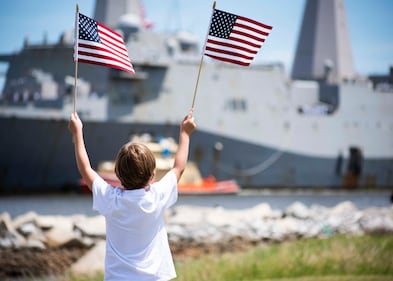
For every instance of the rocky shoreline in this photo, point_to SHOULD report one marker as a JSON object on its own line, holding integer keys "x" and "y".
{"x": 37, "y": 245}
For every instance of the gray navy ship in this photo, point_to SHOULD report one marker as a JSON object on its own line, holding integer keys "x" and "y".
{"x": 323, "y": 127}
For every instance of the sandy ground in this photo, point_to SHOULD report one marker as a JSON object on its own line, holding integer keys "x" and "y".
{"x": 17, "y": 264}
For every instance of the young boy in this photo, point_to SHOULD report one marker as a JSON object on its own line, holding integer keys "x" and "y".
{"x": 137, "y": 245}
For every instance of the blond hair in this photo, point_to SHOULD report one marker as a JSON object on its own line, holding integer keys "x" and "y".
{"x": 135, "y": 165}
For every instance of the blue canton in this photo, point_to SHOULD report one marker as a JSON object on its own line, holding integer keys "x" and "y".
{"x": 88, "y": 29}
{"x": 222, "y": 24}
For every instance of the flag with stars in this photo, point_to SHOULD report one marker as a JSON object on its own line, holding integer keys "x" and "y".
{"x": 234, "y": 39}
{"x": 97, "y": 44}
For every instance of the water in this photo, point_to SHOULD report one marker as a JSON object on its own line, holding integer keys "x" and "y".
{"x": 71, "y": 204}
{"x": 281, "y": 200}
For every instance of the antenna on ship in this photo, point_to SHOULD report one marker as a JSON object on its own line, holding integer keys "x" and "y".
{"x": 201, "y": 62}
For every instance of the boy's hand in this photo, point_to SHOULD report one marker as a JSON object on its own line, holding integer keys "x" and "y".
{"x": 186, "y": 128}
{"x": 82, "y": 159}
{"x": 188, "y": 125}
{"x": 75, "y": 125}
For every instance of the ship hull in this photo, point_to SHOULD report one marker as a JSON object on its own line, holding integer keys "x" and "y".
{"x": 327, "y": 128}
{"x": 37, "y": 155}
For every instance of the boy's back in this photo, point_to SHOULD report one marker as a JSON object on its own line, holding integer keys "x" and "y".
{"x": 136, "y": 240}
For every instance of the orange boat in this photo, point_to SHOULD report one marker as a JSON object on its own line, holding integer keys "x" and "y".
{"x": 209, "y": 185}
{"x": 191, "y": 181}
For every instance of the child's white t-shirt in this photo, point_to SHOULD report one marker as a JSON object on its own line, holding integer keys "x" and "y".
{"x": 137, "y": 245}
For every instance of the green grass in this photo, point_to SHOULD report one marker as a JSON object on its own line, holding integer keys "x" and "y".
{"x": 340, "y": 258}
{"x": 336, "y": 278}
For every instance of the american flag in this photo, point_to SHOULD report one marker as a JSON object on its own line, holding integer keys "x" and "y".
{"x": 97, "y": 44}
{"x": 234, "y": 39}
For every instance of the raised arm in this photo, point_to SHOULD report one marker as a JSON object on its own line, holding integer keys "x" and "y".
{"x": 82, "y": 159}
{"x": 186, "y": 128}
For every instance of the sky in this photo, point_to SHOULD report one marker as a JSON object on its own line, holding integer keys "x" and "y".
{"x": 370, "y": 25}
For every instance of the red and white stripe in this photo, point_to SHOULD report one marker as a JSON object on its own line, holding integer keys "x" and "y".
{"x": 111, "y": 52}
{"x": 244, "y": 42}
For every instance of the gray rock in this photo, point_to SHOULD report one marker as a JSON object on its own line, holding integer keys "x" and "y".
{"x": 28, "y": 229}
{"x": 27, "y": 218}
{"x": 92, "y": 227}
{"x": 187, "y": 215}
{"x": 376, "y": 220}
{"x": 297, "y": 210}
{"x": 344, "y": 218}
{"x": 198, "y": 225}
{"x": 5, "y": 224}
{"x": 92, "y": 262}
{"x": 35, "y": 244}
{"x": 9, "y": 237}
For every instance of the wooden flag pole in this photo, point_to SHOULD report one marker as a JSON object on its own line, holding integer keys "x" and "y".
{"x": 201, "y": 62}
{"x": 75, "y": 84}
{"x": 76, "y": 55}
{"x": 197, "y": 82}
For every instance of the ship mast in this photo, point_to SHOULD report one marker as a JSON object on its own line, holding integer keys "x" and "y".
{"x": 109, "y": 12}
{"x": 323, "y": 50}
